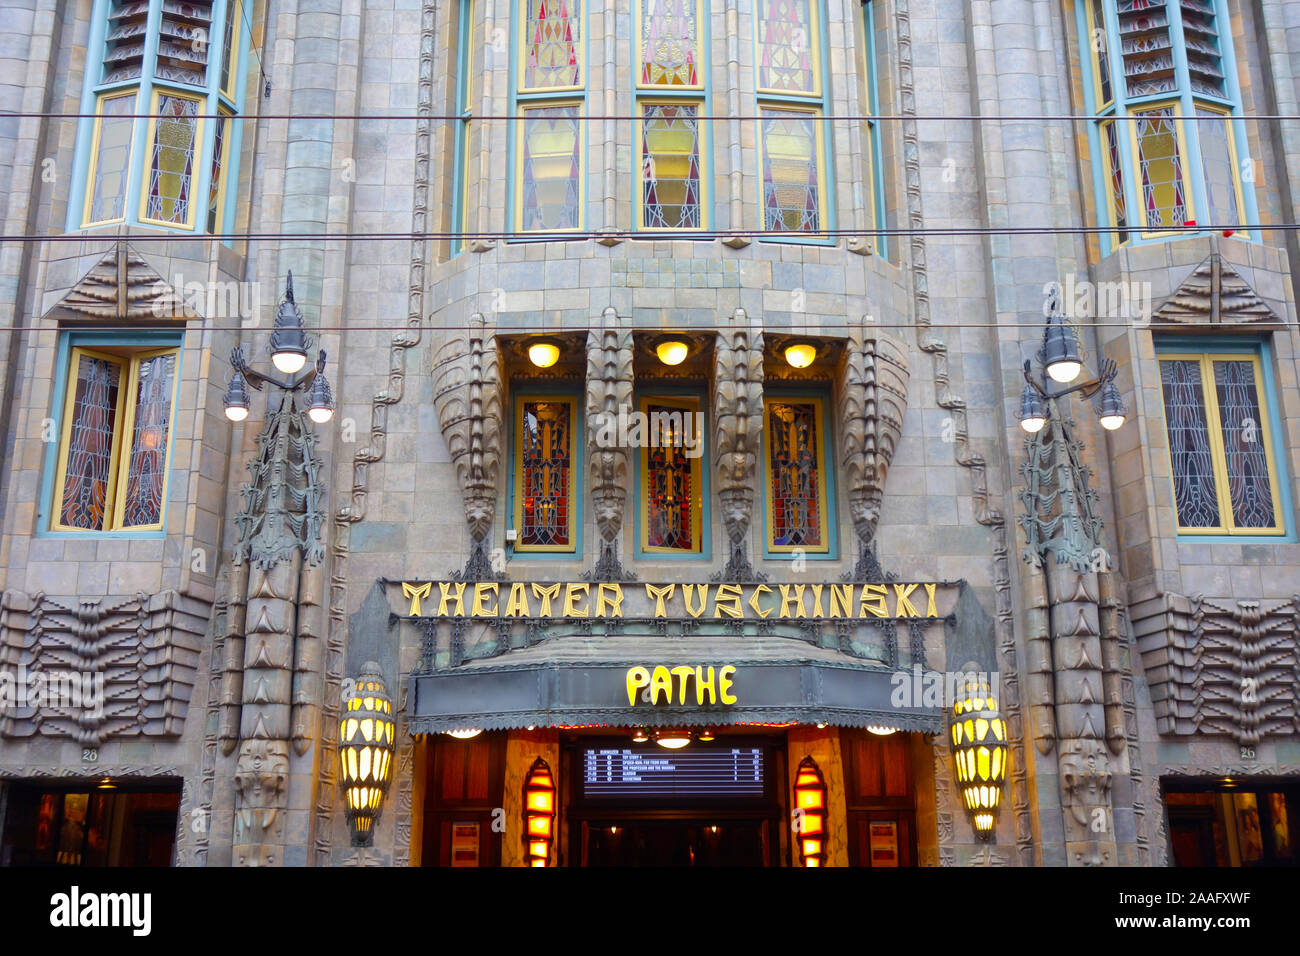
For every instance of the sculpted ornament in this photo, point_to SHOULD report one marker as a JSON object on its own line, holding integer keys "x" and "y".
{"x": 261, "y": 786}
{"x": 738, "y": 385}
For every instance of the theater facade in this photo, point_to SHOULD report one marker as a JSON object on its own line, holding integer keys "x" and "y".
{"x": 574, "y": 433}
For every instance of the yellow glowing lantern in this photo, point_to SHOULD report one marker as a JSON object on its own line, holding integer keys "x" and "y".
{"x": 800, "y": 354}
{"x": 366, "y": 752}
{"x": 640, "y": 735}
{"x": 539, "y": 814}
{"x": 810, "y": 812}
{"x": 543, "y": 354}
{"x": 979, "y": 747}
{"x": 672, "y": 351}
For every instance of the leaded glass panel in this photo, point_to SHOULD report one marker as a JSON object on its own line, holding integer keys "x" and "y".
{"x": 671, "y": 495}
{"x": 218, "y": 170}
{"x": 108, "y": 187}
{"x": 1161, "y": 163}
{"x": 552, "y": 168}
{"x": 1145, "y": 47}
{"x": 147, "y": 466}
{"x": 791, "y": 186}
{"x": 794, "y": 472}
{"x": 89, "y": 451}
{"x": 670, "y": 183}
{"x": 786, "y": 34}
{"x": 552, "y": 45}
{"x": 1250, "y": 488}
{"x": 669, "y": 43}
{"x": 171, "y": 163}
{"x": 1220, "y": 170}
{"x": 1115, "y": 170}
{"x": 1100, "y": 42}
{"x": 1189, "y": 444}
{"x": 228, "y": 59}
{"x": 545, "y": 474}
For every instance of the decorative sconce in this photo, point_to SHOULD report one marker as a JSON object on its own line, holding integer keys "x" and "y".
{"x": 810, "y": 807}
{"x": 366, "y": 752}
{"x": 543, "y": 354}
{"x": 640, "y": 736}
{"x": 800, "y": 354}
{"x": 539, "y": 813}
{"x": 672, "y": 351}
{"x": 979, "y": 746}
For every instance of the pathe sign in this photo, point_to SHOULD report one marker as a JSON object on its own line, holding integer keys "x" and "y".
{"x": 609, "y": 600}
{"x": 656, "y": 686}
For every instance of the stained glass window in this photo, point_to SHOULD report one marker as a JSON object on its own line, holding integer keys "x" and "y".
{"x": 670, "y": 44}
{"x": 671, "y": 477}
{"x": 117, "y": 427}
{"x": 1219, "y": 163}
{"x": 89, "y": 445}
{"x": 544, "y": 470}
{"x": 1174, "y": 63}
{"x": 670, "y": 166}
{"x": 146, "y": 473}
{"x": 552, "y": 45}
{"x": 1189, "y": 444}
{"x": 1246, "y": 455}
{"x": 1115, "y": 172}
{"x": 1164, "y": 194}
{"x": 787, "y": 47}
{"x": 112, "y": 160}
{"x": 189, "y": 52}
{"x": 552, "y": 169}
{"x": 171, "y": 162}
{"x": 1220, "y": 456}
{"x": 791, "y": 177}
{"x": 796, "y": 484}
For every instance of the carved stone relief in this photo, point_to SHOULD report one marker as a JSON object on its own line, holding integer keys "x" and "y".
{"x": 1214, "y": 294}
{"x": 738, "y": 443}
{"x": 1222, "y": 667}
{"x": 133, "y": 662}
{"x": 609, "y": 389}
{"x": 122, "y": 285}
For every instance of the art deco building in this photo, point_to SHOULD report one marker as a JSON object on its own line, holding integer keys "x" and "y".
{"x": 678, "y": 503}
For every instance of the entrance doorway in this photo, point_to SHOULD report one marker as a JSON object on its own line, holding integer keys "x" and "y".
{"x": 695, "y": 842}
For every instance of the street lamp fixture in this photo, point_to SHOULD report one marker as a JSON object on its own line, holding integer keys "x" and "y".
{"x": 288, "y": 347}
{"x": 1063, "y": 364}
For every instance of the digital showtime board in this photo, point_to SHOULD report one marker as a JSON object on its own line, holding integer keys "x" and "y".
{"x": 656, "y": 774}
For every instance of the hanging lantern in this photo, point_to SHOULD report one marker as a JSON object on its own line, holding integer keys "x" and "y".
{"x": 366, "y": 752}
{"x": 810, "y": 812}
{"x": 539, "y": 814}
{"x": 673, "y": 738}
{"x": 979, "y": 746}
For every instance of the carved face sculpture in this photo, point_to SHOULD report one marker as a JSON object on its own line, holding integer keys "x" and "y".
{"x": 260, "y": 776}
{"x": 1085, "y": 778}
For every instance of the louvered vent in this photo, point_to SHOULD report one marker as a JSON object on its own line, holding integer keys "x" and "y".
{"x": 185, "y": 37}
{"x": 1202, "y": 41}
{"x": 124, "y": 45}
{"x": 1146, "y": 45}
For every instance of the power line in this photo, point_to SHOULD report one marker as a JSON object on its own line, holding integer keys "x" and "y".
{"x": 640, "y": 236}
{"x": 884, "y": 117}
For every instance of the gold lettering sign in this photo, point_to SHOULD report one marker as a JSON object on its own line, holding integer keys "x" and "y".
{"x": 658, "y": 683}
{"x": 703, "y": 602}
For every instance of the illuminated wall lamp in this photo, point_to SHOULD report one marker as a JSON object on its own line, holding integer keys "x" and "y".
{"x": 543, "y": 354}
{"x": 810, "y": 812}
{"x": 674, "y": 738}
{"x": 979, "y": 747}
{"x": 800, "y": 354}
{"x": 366, "y": 752}
{"x": 672, "y": 351}
{"x": 539, "y": 814}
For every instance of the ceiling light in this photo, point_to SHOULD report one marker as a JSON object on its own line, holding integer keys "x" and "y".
{"x": 543, "y": 354}
{"x": 800, "y": 354}
{"x": 674, "y": 738}
{"x": 672, "y": 351}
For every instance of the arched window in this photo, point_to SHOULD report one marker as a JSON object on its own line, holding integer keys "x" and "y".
{"x": 180, "y": 61}
{"x": 1161, "y": 81}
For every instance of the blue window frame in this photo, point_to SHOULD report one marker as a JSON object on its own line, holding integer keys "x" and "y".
{"x": 794, "y": 137}
{"x": 668, "y": 468}
{"x": 546, "y": 487}
{"x": 183, "y": 66}
{"x": 875, "y": 180}
{"x": 114, "y": 416}
{"x": 1226, "y": 453}
{"x": 1168, "y": 141}
{"x": 466, "y": 140}
{"x": 798, "y": 475}
{"x": 548, "y": 97}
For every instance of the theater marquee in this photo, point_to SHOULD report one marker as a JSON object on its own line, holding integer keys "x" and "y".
{"x": 757, "y": 602}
